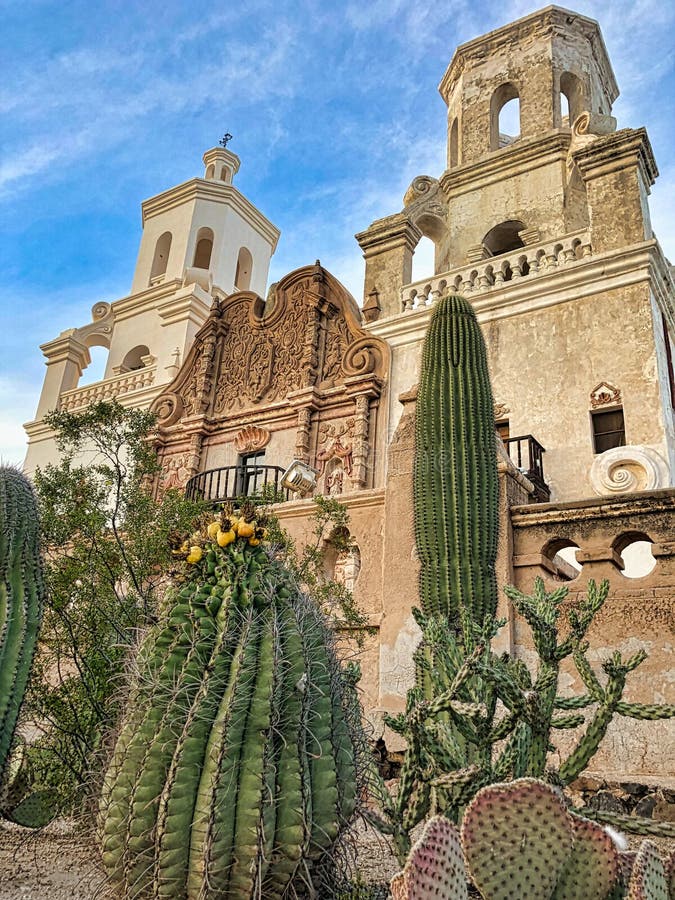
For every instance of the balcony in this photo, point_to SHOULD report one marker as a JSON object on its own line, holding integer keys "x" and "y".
{"x": 109, "y": 388}
{"x": 526, "y": 453}
{"x": 487, "y": 275}
{"x": 258, "y": 483}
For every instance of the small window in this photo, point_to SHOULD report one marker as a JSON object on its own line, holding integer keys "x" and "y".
{"x": 454, "y": 143}
{"x": 242, "y": 276}
{"x": 608, "y": 430}
{"x": 502, "y": 429}
{"x": 250, "y": 473}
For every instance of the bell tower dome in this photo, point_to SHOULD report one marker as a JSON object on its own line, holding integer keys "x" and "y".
{"x": 205, "y": 232}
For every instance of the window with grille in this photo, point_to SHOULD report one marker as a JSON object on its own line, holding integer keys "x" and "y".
{"x": 608, "y": 430}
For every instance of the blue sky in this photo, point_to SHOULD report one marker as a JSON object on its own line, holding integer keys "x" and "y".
{"x": 334, "y": 109}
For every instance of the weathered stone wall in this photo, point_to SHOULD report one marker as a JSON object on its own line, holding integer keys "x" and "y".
{"x": 639, "y": 612}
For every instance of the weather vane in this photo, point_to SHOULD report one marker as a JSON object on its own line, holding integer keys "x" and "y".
{"x": 226, "y": 138}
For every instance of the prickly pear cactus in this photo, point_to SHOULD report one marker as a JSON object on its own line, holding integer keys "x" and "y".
{"x": 456, "y": 490}
{"x": 517, "y": 839}
{"x": 648, "y": 879}
{"x": 593, "y": 866}
{"x": 435, "y": 867}
{"x": 21, "y": 597}
{"x": 234, "y": 773}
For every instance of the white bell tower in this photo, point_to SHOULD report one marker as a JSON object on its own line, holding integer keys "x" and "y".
{"x": 206, "y": 232}
{"x": 199, "y": 237}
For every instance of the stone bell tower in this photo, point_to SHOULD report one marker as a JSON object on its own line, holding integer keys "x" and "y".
{"x": 541, "y": 219}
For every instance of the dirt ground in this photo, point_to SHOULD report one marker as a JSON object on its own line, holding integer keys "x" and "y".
{"x": 60, "y": 862}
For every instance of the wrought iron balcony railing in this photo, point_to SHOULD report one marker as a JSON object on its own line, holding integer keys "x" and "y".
{"x": 526, "y": 453}
{"x": 260, "y": 483}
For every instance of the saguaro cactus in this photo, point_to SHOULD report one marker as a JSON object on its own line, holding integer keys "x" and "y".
{"x": 21, "y": 597}
{"x": 455, "y": 475}
{"x": 234, "y": 772}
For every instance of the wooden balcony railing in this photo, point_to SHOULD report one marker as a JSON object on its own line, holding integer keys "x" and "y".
{"x": 259, "y": 483}
{"x": 526, "y": 453}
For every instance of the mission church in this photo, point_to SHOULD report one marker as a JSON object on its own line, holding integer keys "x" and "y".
{"x": 547, "y": 233}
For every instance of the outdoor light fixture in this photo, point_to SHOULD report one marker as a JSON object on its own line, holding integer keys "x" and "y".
{"x": 299, "y": 477}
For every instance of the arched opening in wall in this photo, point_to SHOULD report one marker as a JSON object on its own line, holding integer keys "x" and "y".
{"x": 424, "y": 258}
{"x": 134, "y": 359}
{"x": 454, "y": 143}
{"x": 571, "y": 98}
{"x": 161, "y": 258}
{"x": 203, "y": 248}
{"x": 635, "y": 550}
{"x": 242, "y": 275}
{"x": 504, "y": 238}
{"x": 504, "y": 116}
{"x": 211, "y": 171}
{"x": 562, "y": 554}
{"x": 96, "y": 368}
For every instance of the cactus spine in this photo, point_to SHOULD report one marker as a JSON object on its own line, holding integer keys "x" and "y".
{"x": 234, "y": 772}
{"x": 21, "y": 597}
{"x": 455, "y": 474}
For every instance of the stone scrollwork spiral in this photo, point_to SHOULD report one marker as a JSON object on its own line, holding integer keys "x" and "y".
{"x": 625, "y": 470}
{"x": 168, "y": 408}
{"x": 363, "y": 357}
{"x": 420, "y": 187}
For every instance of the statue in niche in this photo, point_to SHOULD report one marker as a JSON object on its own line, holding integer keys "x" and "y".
{"x": 335, "y": 481}
{"x": 347, "y": 567}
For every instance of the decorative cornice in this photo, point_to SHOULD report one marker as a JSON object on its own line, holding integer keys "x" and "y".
{"x": 153, "y": 299}
{"x": 544, "y": 21}
{"x": 295, "y": 509}
{"x": 642, "y": 503}
{"x": 389, "y": 233}
{"x": 215, "y": 192}
{"x": 599, "y": 273}
{"x": 613, "y": 152}
{"x": 522, "y": 156}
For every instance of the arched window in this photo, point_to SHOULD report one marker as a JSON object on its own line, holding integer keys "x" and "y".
{"x": 504, "y": 116}
{"x": 210, "y": 171}
{"x": 161, "y": 257}
{"x": 504, "y": 237}
{"x": 242, "y": 275}
{"x": 203, "y": 248}
{"x": 423, "y": 261}
{"x": 134, "y": 359}
{"x": 454, "y": 143}
{"x": 95, "y": 371}
{"x": 571, "y": 98}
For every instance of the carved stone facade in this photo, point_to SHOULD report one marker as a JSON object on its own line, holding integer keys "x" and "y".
{"x": 297, "y": 375}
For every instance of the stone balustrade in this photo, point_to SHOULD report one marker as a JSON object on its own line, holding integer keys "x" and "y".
{"x": 108, "y": 388}
{"x": 497, "y": 272}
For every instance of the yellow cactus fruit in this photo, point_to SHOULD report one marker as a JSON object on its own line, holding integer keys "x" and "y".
{"x": 246, "y": 529}
{"x": 225, "y": 537}
{"x": 253, "y": 541}
{"x": 195, "y": 555}
{"x": 213, "y": 530}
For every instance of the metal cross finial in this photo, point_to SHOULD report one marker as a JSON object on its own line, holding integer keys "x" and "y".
{"x": 226, "y": 138}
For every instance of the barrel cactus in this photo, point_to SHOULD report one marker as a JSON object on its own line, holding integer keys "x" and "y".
{"x": 234, "y": 772}
{"x": 21, "y": 598}
{"x": 456, "y": 491}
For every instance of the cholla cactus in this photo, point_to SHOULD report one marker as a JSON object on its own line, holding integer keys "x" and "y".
{"x": 21, "y": 597}
{"x": 519, "y": 840}
{"x": 235, "y": 770}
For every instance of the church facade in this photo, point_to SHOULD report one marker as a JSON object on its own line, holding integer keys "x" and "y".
{"x": 547, "y": 232}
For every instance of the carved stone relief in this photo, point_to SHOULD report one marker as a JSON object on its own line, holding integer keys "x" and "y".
{"x": 604, "y": 394}
{"x": 334, "y": 457}
{"x": 347, "y": 567}
{"x": 175, "y": 472}
{"x": 251, "y": 439}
